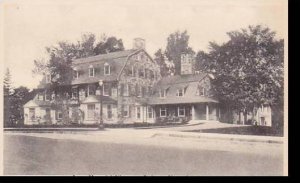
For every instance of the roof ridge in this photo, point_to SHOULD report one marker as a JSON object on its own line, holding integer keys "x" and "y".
{"x": 106, "y": 54}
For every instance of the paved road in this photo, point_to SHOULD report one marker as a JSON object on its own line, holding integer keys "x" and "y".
{"x": 32, "y": 155}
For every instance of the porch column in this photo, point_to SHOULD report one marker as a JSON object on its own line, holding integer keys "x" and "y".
{"x": 207, "y": 112}
{"x": 193, "y": 112}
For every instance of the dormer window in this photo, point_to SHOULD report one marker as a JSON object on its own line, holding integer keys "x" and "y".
{"x": 201, "y": 91}
{"x": 91, "y": 71}
{"x": 162, "y": 93}
{"x": 180, "y": 93}
{"x": 106, "y": 69}
{"x": 75, "y": 74}
{"x": 48, "y": 78}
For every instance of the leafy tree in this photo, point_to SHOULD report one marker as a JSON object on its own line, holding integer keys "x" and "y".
{"x": 249, "y": 69}
{"x": 20, "y": 96}
{"x": 203, "y": 62}
{"x": 107, "y": 45}
{"x": 166, "y": 66}
{"x": 178, "y": 43}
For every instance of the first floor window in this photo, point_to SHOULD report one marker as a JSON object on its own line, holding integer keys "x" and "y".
{"x": 181, "y": 111}
{"x": 126, "y": 111}
{"x": 31, "y": 113}
{"x": 91, "y": 111}
{"x": 74, "y": 93}
{"x": 109, "y": 112}
{"x": 150, "y": 112}
{"x": 138, "y": 112}
{"x": 163, "y": 112}
{"x": 59, "y": 115}
{"x": 91, "y": 90}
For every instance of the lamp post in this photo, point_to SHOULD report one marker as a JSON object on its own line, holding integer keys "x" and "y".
{"x": 101, "y": 125}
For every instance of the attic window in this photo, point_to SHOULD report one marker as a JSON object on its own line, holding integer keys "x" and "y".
{"x": 162, "y": 93}
{"x": 201, "y": 91}
{"x": 106, "y": 69}
{"x": 91, "y": 71}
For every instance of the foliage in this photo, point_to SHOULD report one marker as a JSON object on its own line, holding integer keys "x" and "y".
{"x": 170, "y": 59}
{"x": 248, "y": 68}
{"x": 107, "y": 45}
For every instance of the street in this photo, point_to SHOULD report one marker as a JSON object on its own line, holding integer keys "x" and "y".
{"x": 71, "y": 154}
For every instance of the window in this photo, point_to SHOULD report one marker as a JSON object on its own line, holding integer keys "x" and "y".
{"x": 40, "y": 96}
{"x": 138, "y": 112}
{"x": 48, "y": 113}
{"x": 126, "y": 90}
{"x": 48, "y": 78}
{"x": 91, "y": 90}
{"x": 180, "y": 93}
{"x": 131, "y": 71}
{"x": 162, "y": 93}
{"x": 91, "y": 112}
{"x": 126, "y": 111}
{"x": 91, "y": 71}
{"x": 74, "y": 93}
{"x": 59, "y": 115}
{"x": 150, "y": 112}
{"x": 106, "y": 69}
{"x": 141, "y": 72}
{"x": 181, "y": 111}
{"x": 47, "y": 96}
{"x": 31, "y": 113}
{"x": 163, "y": 112}
{"x": 201, "y": 91}
{"x": 106, "y": 89}
{"x": 76, "y": 74}
{"x": 109, "y": 112}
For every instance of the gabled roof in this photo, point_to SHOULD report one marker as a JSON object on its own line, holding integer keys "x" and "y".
{"x": 37, "y": 103}
{"x": 170, "y": 80}
{"x": 104, "y": 57}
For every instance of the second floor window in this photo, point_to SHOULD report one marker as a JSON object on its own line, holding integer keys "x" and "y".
{"x": 75, "y": 74}
{"x": 106, "y": 89}
{"x": 91, "y": 71}
{"x": 106, "y": 69}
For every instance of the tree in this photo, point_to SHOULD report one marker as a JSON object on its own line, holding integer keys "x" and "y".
{"x": 107, "y": 45}
{"x": 203, "y": 62}
{"x": 249, "y": 69}
{"x": 166, "y": 66}
{"x": 7, "y": 90}
{"x": 20, "y": 96}
{"x": 178, "y": 43}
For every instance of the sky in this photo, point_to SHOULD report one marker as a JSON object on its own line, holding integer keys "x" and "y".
{"x": 28, "y": 26}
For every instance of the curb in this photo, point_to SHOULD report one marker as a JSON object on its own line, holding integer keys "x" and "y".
{"x": 211, "y": 136}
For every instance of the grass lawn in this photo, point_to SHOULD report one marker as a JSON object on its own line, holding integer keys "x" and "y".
{"x": 245, "y": 130}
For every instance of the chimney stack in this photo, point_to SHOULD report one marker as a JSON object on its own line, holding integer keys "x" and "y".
{"x": 138, "y": 43}
{"x": 187, "y": 63}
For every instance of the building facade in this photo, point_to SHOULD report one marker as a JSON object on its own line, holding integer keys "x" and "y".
{"x": 128, "y": 88}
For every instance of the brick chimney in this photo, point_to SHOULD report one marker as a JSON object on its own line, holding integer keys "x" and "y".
{"x": 187, "y": 63}
{"x": 138, "y": 43}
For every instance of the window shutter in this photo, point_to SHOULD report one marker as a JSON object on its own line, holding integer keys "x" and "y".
{"x": 129, "y": 90}
{"x": 122, "y": 89}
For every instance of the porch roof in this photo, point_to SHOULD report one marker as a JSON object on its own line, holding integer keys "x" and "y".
{"x": 180, "y": 100}
{"x": 37, "y": 103}
{"x": 98, "y": 98}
